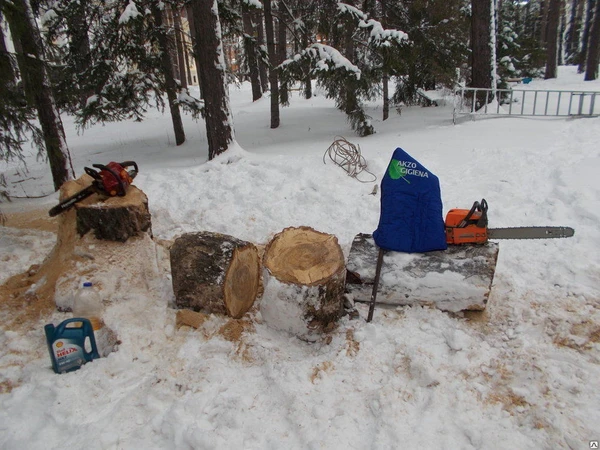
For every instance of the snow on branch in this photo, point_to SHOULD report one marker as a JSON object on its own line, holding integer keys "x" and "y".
{"x": 131, "y": 12}
{"x": 252, "y": 4}
{"x": 379, "y": 36}
{"x": 353, "y": 11}
{"x": 325, "y": 58}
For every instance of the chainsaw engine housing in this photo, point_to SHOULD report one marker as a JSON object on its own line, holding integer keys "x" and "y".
{"x": 457, "y": 232}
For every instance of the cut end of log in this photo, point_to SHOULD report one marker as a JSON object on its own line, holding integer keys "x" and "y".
{"x": 303, "y": 256}
{"x": 242, "y": 281}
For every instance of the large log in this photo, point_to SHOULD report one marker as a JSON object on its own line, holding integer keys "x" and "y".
{"x": 215, "y": 273}
{"x": 456, "y": 279}
{"x": 304, "y": 281}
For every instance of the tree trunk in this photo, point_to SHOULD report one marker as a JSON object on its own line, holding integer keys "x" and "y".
{"x": 552, "y": 39}
{"x": 572, "y": 35}
{"x": 282, "y": 52}
{"x": 215, "y": 273}
{"x": 304, "y": 281}
{"x": 481, "y": 48}
{"x": 385, "y": 78}
{"x": 273, "y": 78}
{"x": 591, "y": 71}
{"x": 262, "y": 66}
{"x": 457, "y": 279}
{"x": 307, "y": 78}
{"x": 31, "y": 62}
{"x": 250, "y": 49}
{"x": 193, "y": 33}
{"x": 79, "y": 47}
{"x": 167, "y": 70}
{"x": 7, "y": 70}
{"x": 386, "y": 96}
{"x": 208, "y": 48}
{"x": 589, "y": 17}
{"x": 179, "y": 44}
{"x": 543, "y": 38}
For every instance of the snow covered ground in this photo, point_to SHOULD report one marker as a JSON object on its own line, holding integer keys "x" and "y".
{"x": 523, "y": 375}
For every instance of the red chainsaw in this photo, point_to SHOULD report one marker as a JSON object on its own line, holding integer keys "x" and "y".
{"x": 470, "y": 226}
{"x": 111, "y": 180}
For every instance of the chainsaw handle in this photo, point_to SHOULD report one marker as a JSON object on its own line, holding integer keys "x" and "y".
{"x": 481, "y": 220}
{"x": 92, "y": 173}
{"x": 134, "y": 172}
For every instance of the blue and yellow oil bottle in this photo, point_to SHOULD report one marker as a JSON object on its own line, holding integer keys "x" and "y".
{"x": 67, "y": 344}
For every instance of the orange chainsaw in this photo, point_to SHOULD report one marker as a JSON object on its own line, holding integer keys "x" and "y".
{"x": 470, "y": 226}
{"x": 111, "y": 180}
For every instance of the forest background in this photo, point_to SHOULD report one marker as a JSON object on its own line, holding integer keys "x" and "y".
{"x": 113, "y": 60}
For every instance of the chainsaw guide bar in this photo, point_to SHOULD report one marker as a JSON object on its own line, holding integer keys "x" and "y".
{"x": 530, "y": 233}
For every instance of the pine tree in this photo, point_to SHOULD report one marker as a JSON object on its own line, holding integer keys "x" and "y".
{"x": 36, "y": 83}
{"x": 17, "y": 117}
{"x": 208, "y": 50}
{"x": 273, "y": 76}
{"x": 439, "y": 37}
{"x": 591, "y": 71}
{"x": 481, "y": 42}
{"x": 251, "y": 48}
{"x": 352, "y": 74}
{"x": 552, "y": 34}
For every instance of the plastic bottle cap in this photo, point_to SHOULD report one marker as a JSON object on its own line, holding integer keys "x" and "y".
{"x": 87, "y": 284}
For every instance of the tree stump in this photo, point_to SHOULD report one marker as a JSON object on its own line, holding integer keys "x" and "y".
{"x": 304, "y": 280}
{"x": 110, "y": 218}
{"x": 459, "y": 278}
{"x": 117, "y": 262}
{"x": 215, "y": 273}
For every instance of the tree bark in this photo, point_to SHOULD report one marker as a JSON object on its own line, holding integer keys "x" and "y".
{"x": 457, "y": 279}
{"x": 79, "y": 47}
{"x": 385, "y": 79}
{"x": 273, "y": 78}
{"x": 167, "y": 70}
{"x": 215, "y": 273}
{"x": 250, "y": 49}
{"x": 552, "y": 39}
{"x": 7, "y": 70}
{"x": 282, "y": 52}
{"x": 307, "y": 77}
{"x": 179, "y": 45}
{"x": 109, "y": 218}
{"x": 591, "y": 71}
{"x": 32, "y": 66}
{"x": 589, "y": 17}
{"x": 304, "y": 281}
{"x": 262, "y": 67}
{"x": 572, "y": 35}
{"x": 208, "y": 48}
{"x": 481, "y": 48}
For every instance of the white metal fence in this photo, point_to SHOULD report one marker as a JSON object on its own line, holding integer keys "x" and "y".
{"x": 524, "y": 102}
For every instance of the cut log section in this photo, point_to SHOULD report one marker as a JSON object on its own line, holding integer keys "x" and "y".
{"x": 456, "y": 279}
{"x": 304, "y": 281}
{"x": 214, "y": 273}
{"x": 110, "y": 218}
